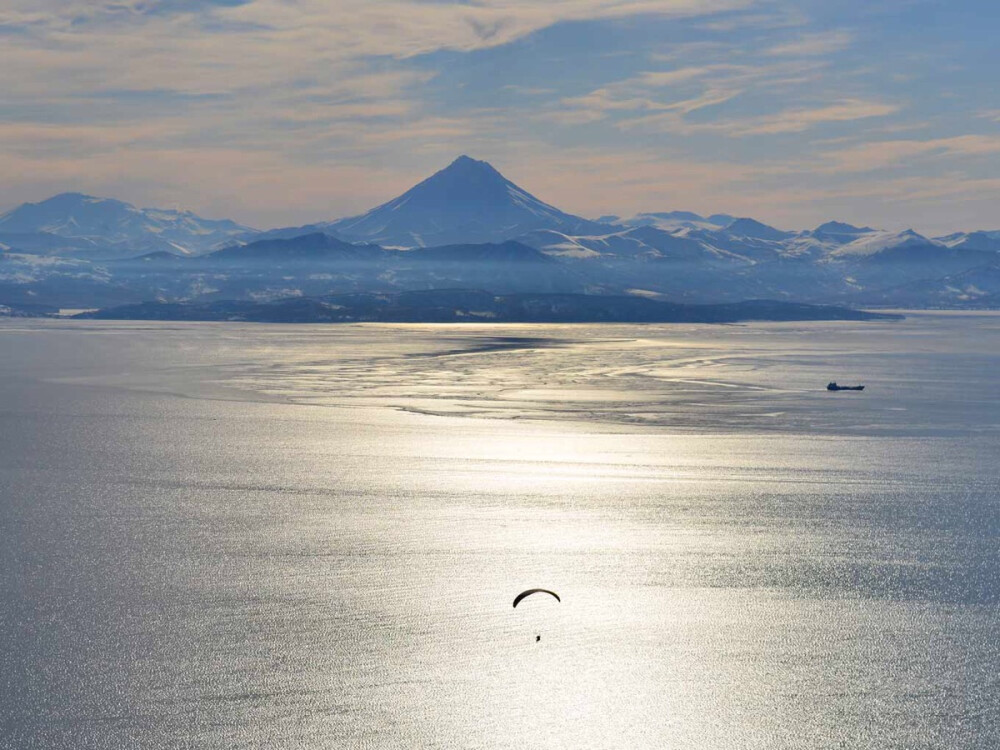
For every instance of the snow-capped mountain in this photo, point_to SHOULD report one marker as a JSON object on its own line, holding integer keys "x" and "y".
{"x": 467, "y": 226}
{"x": 755, "y": 230}
{"x": 839, "y": 232}
{"x": 872, "y": 242}
{"x": 641, "y": 243}
{"x": 973, "y": 240}
{"x": 77, "y": 224}
{"x": 466, "y": 202}
{"x": 671, "y": 221}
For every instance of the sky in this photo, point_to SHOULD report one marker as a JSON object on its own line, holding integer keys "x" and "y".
{"x": 283, "y": 112}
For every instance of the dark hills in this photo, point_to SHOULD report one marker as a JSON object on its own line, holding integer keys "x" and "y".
{"x": 316, "y": 247}
{"x": 464, "y": 305}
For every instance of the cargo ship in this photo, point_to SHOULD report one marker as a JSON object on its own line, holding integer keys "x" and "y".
{"x": 835, "y": 387}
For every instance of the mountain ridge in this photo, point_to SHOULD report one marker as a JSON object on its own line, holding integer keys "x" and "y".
{"x": 113, "y": 227}
{"x": 468, "y": 225}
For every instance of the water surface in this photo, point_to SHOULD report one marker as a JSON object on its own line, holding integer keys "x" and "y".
{"x": 225, "y": 535}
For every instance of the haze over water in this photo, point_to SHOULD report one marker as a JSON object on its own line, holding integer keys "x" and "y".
{"x": 221, "y": 536}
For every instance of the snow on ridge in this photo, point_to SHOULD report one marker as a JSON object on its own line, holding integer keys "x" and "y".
{"x": 117, "y": 227}
{"x": 880, "y": 240}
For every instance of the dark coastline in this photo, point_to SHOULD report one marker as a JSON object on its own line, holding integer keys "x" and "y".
{"x": 461, "y": 305}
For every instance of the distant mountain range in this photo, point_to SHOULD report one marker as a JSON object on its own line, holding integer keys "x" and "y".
{"x": 467, "y": 226}
{"x": 72, "y": 224}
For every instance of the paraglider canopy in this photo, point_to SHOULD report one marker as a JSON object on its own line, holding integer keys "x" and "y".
{"x": 529, "y": 592}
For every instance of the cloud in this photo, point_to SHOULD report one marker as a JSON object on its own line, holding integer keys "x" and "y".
{"x": 230, "y": 46}
{"x": 653, "y": 91}
{"x": 281, "y": 110}
{"x": 708, "y": 99}
{"x": 660, "y": 78}
{"x": 650, "y": 102}
{"x": 230, "y": 69}
{"x": 775, "y": 17}
{"x": 822, "y": 43}
{"x": 882, "y": 154}
{"x": 782, "y": 122}
{"x": 402, "y": 28}
{"x": 605, "y": 100}
{"x": 661, "y": 100}
{"x": 528, "y": 90}
{"x": 797, "y": 120}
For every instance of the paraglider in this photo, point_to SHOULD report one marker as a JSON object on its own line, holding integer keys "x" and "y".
{"x": 529, "y": 592}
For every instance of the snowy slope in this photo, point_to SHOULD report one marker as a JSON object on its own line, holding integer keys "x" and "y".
{"x": 874, "y": 242}
{"x": 112, "y": 227}
{"x": 466, "y": 202}
{"x": 980, "y": 240}
{"x": 671, "y": 221}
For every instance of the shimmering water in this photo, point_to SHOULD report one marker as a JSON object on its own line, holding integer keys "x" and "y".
{"x": 220, "y": 536}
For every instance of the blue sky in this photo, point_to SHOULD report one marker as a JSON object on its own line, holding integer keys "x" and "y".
{"x": 288, "y": 111}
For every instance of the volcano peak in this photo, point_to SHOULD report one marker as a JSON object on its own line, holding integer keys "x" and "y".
{"x": 467, "y": 201}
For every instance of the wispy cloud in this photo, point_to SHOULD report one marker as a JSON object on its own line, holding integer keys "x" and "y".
{"x": 309, "y": 109}
{"x": 822, "y": 43}
{"x": 662, "y": 91}
{"x": 881, "y": 154}
{"x": 774, "y": 17}
{"x": 797, "y": 120}
{"x": 528, "y": 90}
{"x": 781, "y": 122}
{"x": 229, "y": 46}
{"x": 656, "y": 101}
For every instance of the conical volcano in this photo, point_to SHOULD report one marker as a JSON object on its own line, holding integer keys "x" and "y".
{"x": 466, "y": 202}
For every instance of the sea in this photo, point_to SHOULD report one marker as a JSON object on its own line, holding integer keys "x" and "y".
{"x": 228, "y": 535}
